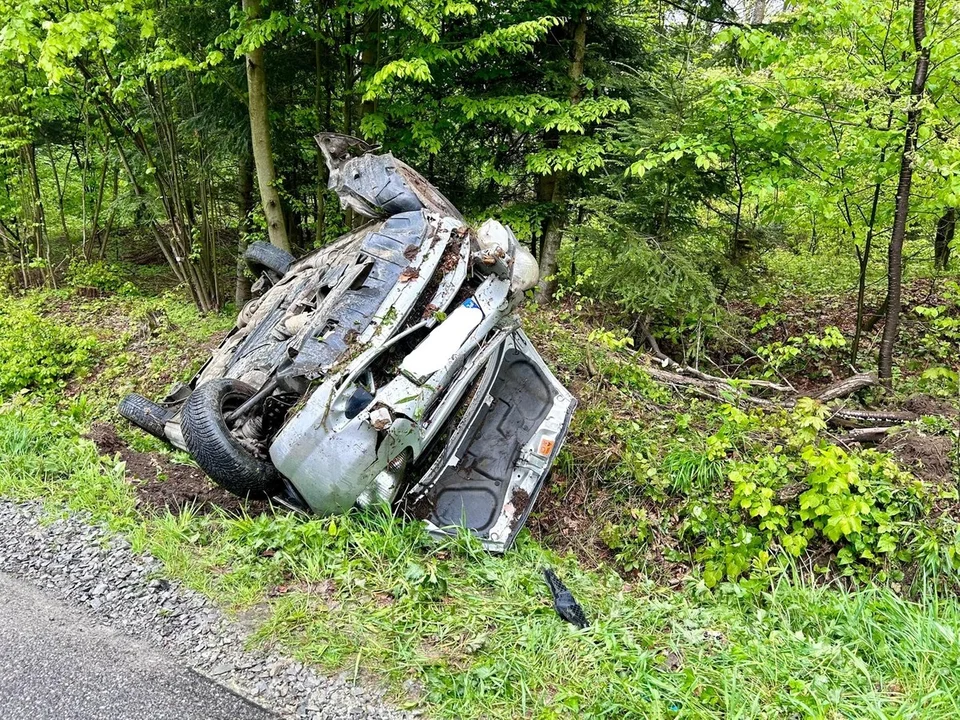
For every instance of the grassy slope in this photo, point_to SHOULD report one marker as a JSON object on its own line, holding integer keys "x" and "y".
{"x": 470, "y": 635}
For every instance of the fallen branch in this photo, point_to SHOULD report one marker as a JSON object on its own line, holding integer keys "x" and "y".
{"x": 855, "y": 418}
{"x": 846, "y": 387}
{"x": 716, "y": 387}
{"x": 870, "y": 435}
{"x": 676, "y": 368}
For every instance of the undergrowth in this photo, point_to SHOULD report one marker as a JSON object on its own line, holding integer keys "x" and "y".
{"x": 472, "y": 635}
{"x": 761, "y": 512}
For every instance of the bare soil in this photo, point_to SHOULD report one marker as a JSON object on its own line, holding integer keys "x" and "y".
{"x": 926, "y": 456}
{"x": 162, "y": 484}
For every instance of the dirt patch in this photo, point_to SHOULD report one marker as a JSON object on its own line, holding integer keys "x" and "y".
{"x": 565, "y": 518}
{"x": 520, "y": 500}
{"x": 926, "y": 456}
{"x": 422, "y": 508}
{"x": 161, "y": 484}
{"x": 928, "y": 405}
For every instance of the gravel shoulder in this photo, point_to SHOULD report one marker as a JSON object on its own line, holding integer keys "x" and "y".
{"x": 88, "y": 569}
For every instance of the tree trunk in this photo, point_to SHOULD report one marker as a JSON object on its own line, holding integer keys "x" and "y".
{"x": 61, "y": 189}
{"x": 946, "y": 225}
{"x": 34, "y": 218}
{"x": 348, "y": 76}
{"x": 260, "y": 139}
{"x": 322, "y": 101}
{"x": 370, "y": 56}
{"x": 895, "y": 257}
{"x": 245, "y": 173}
{"x": 554, "y": 223}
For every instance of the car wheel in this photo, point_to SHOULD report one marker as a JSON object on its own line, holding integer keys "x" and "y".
{"x": 145, "y": 414}
{"x": 262, "y": 256}
{"x": 213, "y": 445}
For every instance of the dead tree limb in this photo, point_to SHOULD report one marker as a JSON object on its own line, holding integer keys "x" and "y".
{"x": 715, "y": 388}
{"x": 675, "y": 368}
{"x": 871, "y": 435}
{"x": 846, "y": 387}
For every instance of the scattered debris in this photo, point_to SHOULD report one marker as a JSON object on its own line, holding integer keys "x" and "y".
{"x": 408, "y": 274}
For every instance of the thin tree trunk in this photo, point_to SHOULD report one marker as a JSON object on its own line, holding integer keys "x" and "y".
{"x": 554, "y": 223}
{"x": 349, "y": 81}
{"x": 61, "y": 189}
{"x": 946, "y": 226}
{"x": 348, "y": 77}
{"x": 322, "y": 100}
{"x": 369, "y": 56}
{"x": 260, "y": 139}
{"x": 245, "y": 172}
{"x": 891, "y": 327}
{"x": 35, "y": 217}
{"x": 113, "y": 212}
{"x": 96, "y": 241}
{"x": 863, "y": 258}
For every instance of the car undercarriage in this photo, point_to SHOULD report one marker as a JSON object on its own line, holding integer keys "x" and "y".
{"x": 388, "y": 367}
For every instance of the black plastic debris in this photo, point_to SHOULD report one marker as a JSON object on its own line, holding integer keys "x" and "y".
{"x": 563, "y": 601}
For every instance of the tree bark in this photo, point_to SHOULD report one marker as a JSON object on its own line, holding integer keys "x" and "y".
{"x": 323, "y": 91}
{"x": 891, "y": 327}
{"x": 370, "y": 56}
{"x": 946, "y": 225}
{"x": 554, "y": 223}
{"x": 260, "y": 139}
{"x": 245, "y": 181}
{"x": 863, "y": 258}
{"x": 34, "y": 217}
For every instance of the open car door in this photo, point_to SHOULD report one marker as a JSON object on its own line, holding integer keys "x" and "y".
{"x": 498, "y": 454}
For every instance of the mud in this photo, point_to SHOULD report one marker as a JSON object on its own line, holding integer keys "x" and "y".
{"x": 520, "y": 500}
{"x": 422, "y": 509}
{"x": 926, "y": 456}
{"x": 161, "y": 484}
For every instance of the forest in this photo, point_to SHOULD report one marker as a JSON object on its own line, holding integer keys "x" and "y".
{"x": 744, "y": 216}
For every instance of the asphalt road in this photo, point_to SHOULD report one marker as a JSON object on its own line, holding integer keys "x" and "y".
{"x": 57, "y": 664}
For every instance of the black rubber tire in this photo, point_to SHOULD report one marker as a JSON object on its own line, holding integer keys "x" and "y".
{"x": 262, "y": 256}
{"x": 145, "y": 414}
{"x": 216, "y": 451}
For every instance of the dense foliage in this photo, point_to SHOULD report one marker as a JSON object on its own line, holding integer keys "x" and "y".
{"x": 659, "y": 156}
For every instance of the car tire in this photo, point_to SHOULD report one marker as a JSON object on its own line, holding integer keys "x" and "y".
{"x": 218, "y": 453}
{"x": 145, "y": 414}
{"x": 262, "y": 256}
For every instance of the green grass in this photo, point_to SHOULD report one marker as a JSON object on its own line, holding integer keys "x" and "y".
{"x": 474, "y": 634}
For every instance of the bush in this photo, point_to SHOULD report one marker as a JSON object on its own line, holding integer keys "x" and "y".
{"x": 749, "y": 494}
{"x": 104, "y": 276}
{"x": 36, "y": 352}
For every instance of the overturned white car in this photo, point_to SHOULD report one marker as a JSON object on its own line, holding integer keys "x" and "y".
{"x": 388, "y": 367}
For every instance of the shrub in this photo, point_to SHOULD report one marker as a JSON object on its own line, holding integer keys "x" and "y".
{"x": 36, "y": 352}
{"x": 104, "y": 276}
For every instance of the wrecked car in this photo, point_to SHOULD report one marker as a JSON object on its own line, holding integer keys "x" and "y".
{"x": 387, "y": 367}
